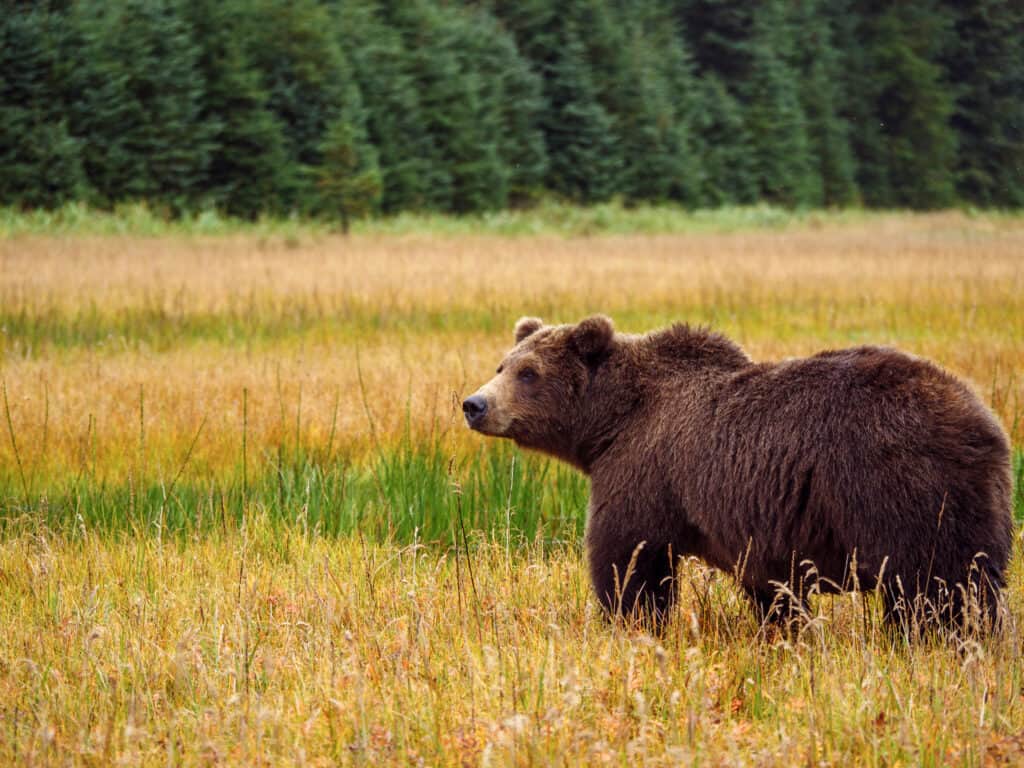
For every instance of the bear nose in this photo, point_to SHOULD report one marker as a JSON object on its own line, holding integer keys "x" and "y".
{"x": 474, "y": 407}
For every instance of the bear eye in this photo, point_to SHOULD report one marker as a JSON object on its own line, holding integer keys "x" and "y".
{"x": 527, "y": 375}
{"x": 500, "y": 369}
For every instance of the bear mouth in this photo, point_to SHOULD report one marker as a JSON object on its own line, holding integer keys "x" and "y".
{"x": 486, "y": 426}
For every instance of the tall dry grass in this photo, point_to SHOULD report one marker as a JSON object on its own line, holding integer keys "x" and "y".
{"x": 263, "y": 646}
{"x": 121, "y": 347}
{"x": 297, "y": 384}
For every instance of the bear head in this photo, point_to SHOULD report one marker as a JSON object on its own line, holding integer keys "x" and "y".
{"x": 539, "y": 395}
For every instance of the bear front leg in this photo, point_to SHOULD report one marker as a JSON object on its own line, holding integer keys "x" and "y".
{"x": 632, "y": 579}
{"x": 772, "y": 606}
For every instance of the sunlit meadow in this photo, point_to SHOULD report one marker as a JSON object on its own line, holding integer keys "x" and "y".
{"x": 241, "y": 521}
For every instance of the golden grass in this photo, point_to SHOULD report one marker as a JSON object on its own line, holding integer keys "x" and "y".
{"x": 264, "y": 646}
{"x": 269, "y": 645}
{"x": 394, "y": 330}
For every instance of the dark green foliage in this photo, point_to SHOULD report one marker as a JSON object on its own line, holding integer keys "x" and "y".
{"x": 137, "y": 101}
{"x": 40, "y": 164}
{"x": 309, "y": 86}
{"x": 464, "y": 107}
{"x": 914, "y": 106}
{"x": 584, "y": 154}
{"x": 394, "y": 125}
{"x": 248, "y": 169}
{"x": 775, "y": 118}
{"x": 349, "y": 182}
{"x": 725, "y": 147}
{"x": 818, "y": 66}
{"x": 986, "y": 61}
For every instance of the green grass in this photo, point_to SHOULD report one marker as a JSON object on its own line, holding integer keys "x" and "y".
{"x": 412, "y": 493}
{"x": 407, "y": 494}
{"x": 546, "y": 218}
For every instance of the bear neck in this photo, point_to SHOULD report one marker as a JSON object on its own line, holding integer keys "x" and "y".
{"x": 634, "y": 377}
{"x": 613, "y": 397}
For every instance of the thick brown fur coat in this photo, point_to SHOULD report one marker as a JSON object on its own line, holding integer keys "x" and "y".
{"x": 857, "y": 468}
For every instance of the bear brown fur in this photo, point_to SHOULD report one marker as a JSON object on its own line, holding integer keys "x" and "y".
{"x": 851, "y": 469}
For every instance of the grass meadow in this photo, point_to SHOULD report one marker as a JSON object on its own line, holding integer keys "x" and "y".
{"x": 241, "y": 521}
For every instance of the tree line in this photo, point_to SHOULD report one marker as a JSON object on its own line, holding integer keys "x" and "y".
{"x": 342, "y": 108}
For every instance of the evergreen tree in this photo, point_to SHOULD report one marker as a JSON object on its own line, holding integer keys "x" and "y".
{"x": 40, "y": 164}
{"x": 248, "y": 170}
{"x": 139, "y": 98}
{"x": 394, "y": 124}
{"x": 729, "y": 176}
{"x": 915, "y": 106}
{"x": 513, "y": 92}
{"x": 909, "y": 161}
{"x": 652, "y": 95}
{"x": 774, "y": 116}
{"x": 294, "y": 46}
{"x": 718, "y": 33}
{"x": 583, "y": 152}
{"x": 459, "y": 109}
{"x": 858, "y": 89}
{"x": 349, "y": 184}
{"x": 986, "y": 65}
{"x": 818, "y": 64}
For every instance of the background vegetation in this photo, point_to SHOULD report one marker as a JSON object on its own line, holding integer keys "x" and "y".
{"x": 340, "y": 109}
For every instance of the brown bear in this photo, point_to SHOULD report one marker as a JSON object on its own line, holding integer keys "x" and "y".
{"x": 851, "y": 469}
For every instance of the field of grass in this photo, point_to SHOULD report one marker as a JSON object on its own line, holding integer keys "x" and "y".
{"x": 241, "y": 521}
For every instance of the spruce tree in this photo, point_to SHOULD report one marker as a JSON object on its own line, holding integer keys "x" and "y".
{"x": 40, "y": 163}
{"x": 460, "y": 108}
{"x": 394, "y": 125}
{"x": 347, "y": 177}
{"x": 985, "y": 64}
{"x": 652, "y": 101}
{"x": 512, "y": 93}
{"x": 248, "y": 171}
{"x": 729, "y": 170}
{"x": 915, "y": 106}
{"x": 583, "y": 152}
{"x": 138, "y": 103}
{"x": 818, "y": 64}
{"x": 774, "y": 115}
{"x": 858, "y": 87}
{"x": 294, "y": 46}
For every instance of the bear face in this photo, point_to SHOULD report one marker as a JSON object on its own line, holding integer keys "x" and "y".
{"x": 538, "y": 397}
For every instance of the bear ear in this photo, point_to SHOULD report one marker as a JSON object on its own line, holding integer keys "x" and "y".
{"x": 592, "y": 337}
{"x": 527, "y": 326}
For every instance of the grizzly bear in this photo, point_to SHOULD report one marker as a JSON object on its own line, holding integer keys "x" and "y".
{"x": 860, "y": 468}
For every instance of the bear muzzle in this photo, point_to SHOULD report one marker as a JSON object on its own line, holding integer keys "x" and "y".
{"x": 475, "y": 410}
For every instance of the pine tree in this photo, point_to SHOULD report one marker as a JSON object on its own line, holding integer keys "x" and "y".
{"x": 460, "y": 113}
{"x": 774, "y": 116}
{"x": 139, "y": 99}
{"x": 40, "y": 163}
{"x": 718, "y": 33}
{"x": 584, "y": 156}
{"x": 725, "y": 147}
{"x": 817, "y": 61}
{"x": 349, "y": 184}
{"x": 858, "y": 87}
{"x": 985, "y": 63}
{"x": 512, "y": 92}
{"x": 653, "y": 100}
{"x": 248, "y": 171}
{"x": 915, "y": 106}
{"x": 394, "y": 124}
{"x": 294, "y": 46}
